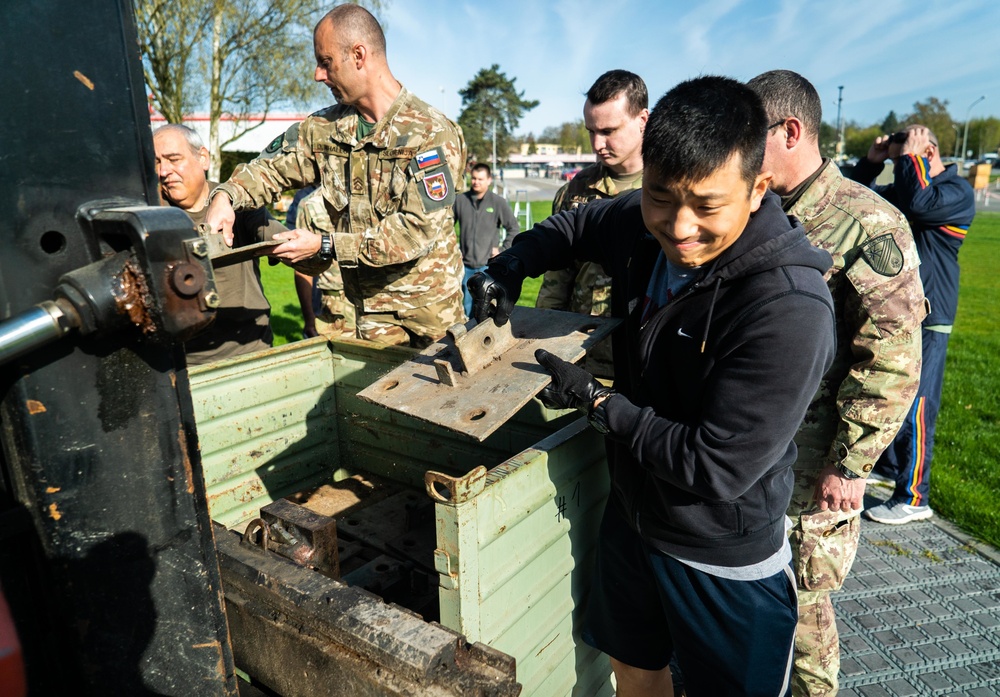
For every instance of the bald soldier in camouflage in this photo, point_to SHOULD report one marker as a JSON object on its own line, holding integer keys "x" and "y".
{"x": 866, "y": 394}
{"x": 615, "y": 114}
{"x": 386, "y": 164}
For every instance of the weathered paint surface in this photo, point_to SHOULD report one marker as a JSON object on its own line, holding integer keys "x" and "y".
{"x": 513, "y": 561}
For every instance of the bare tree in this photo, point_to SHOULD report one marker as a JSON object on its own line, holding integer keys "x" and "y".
{"x": 243, "y": 59}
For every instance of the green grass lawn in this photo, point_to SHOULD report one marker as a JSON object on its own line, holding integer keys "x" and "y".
{"x": 965, "y": 476}
{"x": 966, "y": 470}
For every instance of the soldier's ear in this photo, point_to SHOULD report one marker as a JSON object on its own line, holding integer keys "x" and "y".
{"x": 793, "y": 132}
{"x": 359, "y": 54}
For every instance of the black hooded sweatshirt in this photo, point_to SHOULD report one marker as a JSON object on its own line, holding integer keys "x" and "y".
{"x": 714, "y": 385}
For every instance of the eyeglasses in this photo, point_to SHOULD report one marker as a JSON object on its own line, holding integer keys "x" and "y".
{"x": 777, "y": 123}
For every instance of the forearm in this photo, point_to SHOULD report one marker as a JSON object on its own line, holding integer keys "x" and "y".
{"x": 866, "y": 171}
{"x": 304, "y": 291}
{"x": 397, "y": 239}
{"x": 752, "y": 405}
{"x": 874, "y": 399}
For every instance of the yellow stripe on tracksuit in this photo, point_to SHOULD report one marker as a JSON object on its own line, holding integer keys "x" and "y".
{"x": 919, "y": 453}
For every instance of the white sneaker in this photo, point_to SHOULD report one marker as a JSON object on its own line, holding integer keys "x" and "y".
{"x": 895, "y": 512}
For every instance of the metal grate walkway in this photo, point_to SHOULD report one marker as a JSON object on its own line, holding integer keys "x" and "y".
{"x": 920, "y": 612}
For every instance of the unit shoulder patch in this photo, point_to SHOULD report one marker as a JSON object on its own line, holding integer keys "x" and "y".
{"x": 286, "y": 141}
{"x": 883, "y": 255}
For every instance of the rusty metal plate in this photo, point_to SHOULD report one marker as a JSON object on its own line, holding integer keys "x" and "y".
{"x": 437, "y": 387}
{"x": 223, "y": 255}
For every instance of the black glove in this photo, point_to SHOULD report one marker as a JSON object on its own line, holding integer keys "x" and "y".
{"x": 572, "y": 387}
{"x": 499, "y": 284}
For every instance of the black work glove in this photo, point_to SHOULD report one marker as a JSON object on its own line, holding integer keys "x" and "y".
{"x": 495, "y": 291}
{"x": 572, "y": 387}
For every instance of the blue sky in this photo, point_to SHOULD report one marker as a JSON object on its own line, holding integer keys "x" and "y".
{"x": 887, "y": 54}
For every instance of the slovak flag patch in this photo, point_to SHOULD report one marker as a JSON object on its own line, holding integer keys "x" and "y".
{"x": 436, "y": 186}
{"x": 427, "y": 159}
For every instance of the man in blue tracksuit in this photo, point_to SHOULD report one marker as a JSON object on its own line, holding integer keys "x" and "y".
{"x": 940, "y": 206}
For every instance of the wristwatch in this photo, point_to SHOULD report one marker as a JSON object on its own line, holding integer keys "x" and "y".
{"x": 598, "y": 416}
{"x": 325, "y": 252}
{"x": 847, "y": 473}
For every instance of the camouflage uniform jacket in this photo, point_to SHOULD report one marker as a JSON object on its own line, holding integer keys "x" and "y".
{"x": 584, "y": 287}
{"x": 388, "y": 197}
{"x": 879, "y": 301}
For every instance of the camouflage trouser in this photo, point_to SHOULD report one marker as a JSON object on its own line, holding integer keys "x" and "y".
{"x": 418, "y": 327}
{"x": 337, "y": 316}
{"x": 824, "y": 544}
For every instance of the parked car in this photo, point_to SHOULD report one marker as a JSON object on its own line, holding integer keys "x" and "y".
{"x": 569, "y": 173}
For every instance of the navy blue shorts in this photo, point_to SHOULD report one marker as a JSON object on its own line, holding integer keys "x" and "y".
{"x": 730, "y": 637}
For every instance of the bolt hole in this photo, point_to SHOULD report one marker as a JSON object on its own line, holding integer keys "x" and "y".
{"x": 487, "y": 340}
{"x": 589, "y": 328}
{"x": 476, "y": 414}
{"x": 390, "y": 385}
{"x": 52, "y": 242}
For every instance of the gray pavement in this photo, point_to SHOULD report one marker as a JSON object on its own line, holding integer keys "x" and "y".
{"x": 920, "y": 611}
{"x": 536, "y": 188}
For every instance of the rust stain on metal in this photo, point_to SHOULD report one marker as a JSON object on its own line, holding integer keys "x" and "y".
{"x": 132, "y": 296}
{"x": 188, "y": 473}
{"x": 217, "y": 646}
{"x": 52, "y": 489}
{"x": 87, "y": 82}
{"x": 35, "y": 407}
{"x": 54, "y": 512}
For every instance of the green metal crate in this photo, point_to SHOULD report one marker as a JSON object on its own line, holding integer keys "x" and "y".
{"x": 514, "y": 549}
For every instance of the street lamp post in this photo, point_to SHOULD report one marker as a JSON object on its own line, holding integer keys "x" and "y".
{"x": 965, "y": 135}
{"x": 493, "y": 160}
{"x": 840, "y": 126}
{"x": 955, "y": 128}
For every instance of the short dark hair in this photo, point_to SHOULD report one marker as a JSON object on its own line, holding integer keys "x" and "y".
{"x": 786, "y": 93}
{"x": 482, "y": 167}
{"x": 615, "y": 82}
{"x": 354, "y": 23}
{"x": 696, "y": 128}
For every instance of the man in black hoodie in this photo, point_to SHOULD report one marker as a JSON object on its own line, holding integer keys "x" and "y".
{"x": 728, "y": 328}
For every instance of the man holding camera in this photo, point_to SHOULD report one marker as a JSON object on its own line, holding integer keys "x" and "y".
{"x": 940, "y": 206}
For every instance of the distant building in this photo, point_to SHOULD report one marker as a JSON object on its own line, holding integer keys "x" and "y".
{"x": 252, "y": 141}
{"x": 545, "y": 165}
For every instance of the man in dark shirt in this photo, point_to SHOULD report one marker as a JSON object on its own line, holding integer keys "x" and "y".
{"x": 243, "y": 319}
{"x": 727, "y": 329}
{"x": 940, "y": 206}
{"x": 480, "y": 214}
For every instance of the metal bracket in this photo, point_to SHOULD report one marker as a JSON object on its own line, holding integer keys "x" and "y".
{"x": 452, "y": 490}
{"x": 307, "y": 538}
{"x": 476, "y": 348}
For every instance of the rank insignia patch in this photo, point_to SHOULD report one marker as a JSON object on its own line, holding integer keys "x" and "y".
{"x": 430, "y": 158}
{"x": 436, "y": 186}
